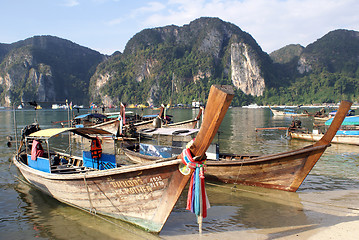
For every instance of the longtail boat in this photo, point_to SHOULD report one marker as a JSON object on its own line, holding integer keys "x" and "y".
{"x": 315, "y": 136}
{"x": 160, "y": 122}
{"x": 288, "y": 113}
{"x": 348, "y": 133}
{"x": 284, "y": 171}
{"x": 127, "y": 126}
{"x": 141, "y": 194}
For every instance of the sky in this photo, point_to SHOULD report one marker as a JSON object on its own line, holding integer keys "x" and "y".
{"x": 107, "y": 25}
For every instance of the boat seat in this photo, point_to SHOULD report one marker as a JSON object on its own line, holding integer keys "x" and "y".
{"x": 68, "y": 169}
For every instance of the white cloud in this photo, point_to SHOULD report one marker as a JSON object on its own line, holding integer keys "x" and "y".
{"x": 71, "y": 3}
{"x": 273, "y": 23}
{"x": 151, "y": 7}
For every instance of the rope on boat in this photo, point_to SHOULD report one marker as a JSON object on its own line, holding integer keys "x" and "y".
{"x": 197, "y": 200}
{"x": 239, "y": 170}
{"x": 92, "y": 209}
{"x": 234, "y": 188}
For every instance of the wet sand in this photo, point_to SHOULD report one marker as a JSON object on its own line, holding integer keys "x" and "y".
{"x": 308, "y": 215}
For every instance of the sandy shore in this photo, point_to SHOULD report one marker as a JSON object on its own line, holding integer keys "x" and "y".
{"x": 330, "y": 214}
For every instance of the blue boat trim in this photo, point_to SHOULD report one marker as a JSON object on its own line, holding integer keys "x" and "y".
{"x": 352, "y": 120}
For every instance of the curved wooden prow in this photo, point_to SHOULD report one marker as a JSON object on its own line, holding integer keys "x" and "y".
{"x": 324, "y": 142}
{"x": 218, "y": 102}
{"x": 199, "y": 113}
{"x": 123, "y": 113}
{"x": 161, "y": 113}
{"x": 219, "y": 99}
{"x": 198, "y": 117}
{"x": 336, "y": 123}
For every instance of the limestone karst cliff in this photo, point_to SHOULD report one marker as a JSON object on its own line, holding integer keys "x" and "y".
{"x": 169, "y": 59}
{"x": 46, "y": 69}
{"x": 246, "y": 71}
{"x": 178, "y": 64}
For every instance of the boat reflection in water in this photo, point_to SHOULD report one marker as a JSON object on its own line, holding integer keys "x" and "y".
{"x": 233, "y": 209}
{"x": 240, "y": 208}
{"x": 256, "y": 213}
{"x": 54, "y": 220}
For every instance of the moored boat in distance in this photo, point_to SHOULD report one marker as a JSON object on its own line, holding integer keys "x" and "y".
{"x": 315, "y": 136}
{"x": 158, "y": 121}
{"x": 288, "y": 113}
{"x": 347, "y": 134}
{"x": 254, "y": 105}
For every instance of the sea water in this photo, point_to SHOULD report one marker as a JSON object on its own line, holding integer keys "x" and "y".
{"x": 236, "y": 212}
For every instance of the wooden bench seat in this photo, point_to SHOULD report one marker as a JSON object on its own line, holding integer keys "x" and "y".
{"x": 64, "y": 169}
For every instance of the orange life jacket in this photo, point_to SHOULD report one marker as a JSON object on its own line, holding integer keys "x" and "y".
{"x": 96, "y": 149}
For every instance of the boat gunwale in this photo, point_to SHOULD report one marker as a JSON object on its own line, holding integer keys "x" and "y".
{"x": 265, "y": 158}
{"x": 98, "y": 173}
{"x": 222, "y": 161}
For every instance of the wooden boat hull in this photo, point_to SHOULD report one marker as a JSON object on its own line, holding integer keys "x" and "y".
{"x": 322, "y": 118}
{"x": 287, "y": 114}
{"x": 143, "y": 195}
{"x": 285, "y": 171}
{"x": 344, "y": 139}
{"x": 133, "y": 194}
{"x": 138, "y": 157}
{"x": 110, "y": 126}
{"x": 189, "y": 124}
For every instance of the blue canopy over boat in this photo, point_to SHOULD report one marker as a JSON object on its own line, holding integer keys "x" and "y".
{"x": 348, "y": 132}
{"x": 350, "y": 113}
{"x": 352, "y": 120}
{"x": 93, "y": 115}
{"x": 150, "y": 116}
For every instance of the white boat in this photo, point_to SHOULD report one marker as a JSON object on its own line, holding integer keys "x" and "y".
{"x": 287, "y": 112}
{"x": 344, "y": 139}
{"x": 348, "y": 134}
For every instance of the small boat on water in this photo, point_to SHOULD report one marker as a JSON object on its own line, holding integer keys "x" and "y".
{"x": 142, "y": 194}
{"x": 351, "y": 112}
{"x": 124, "y": 124}
{"x": 315, "y": 136}
{"x": 159, "y": 121}
{"x": 321, "y": 115}
{"x": 347, "y": 134}
{"x": 284, "y": 171}
{"x": 288, "y": 113}
{"x": 322, "y": 118}
{"x": 96, "y": 120}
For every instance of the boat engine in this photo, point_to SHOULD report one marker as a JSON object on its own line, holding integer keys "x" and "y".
{"x": 296, "y": 124}
{"x": 27, "y": 130}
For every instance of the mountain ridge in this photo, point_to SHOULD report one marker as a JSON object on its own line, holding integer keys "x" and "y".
{"x": 173, "y": 64}
{"x": 45, "y": 68}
